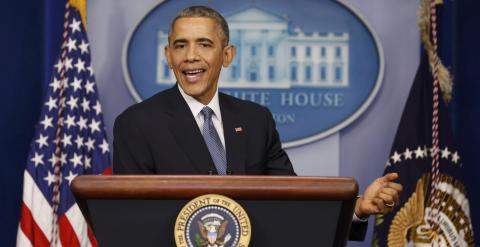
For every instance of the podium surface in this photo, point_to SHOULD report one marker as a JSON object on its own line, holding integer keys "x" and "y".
{"x": 130, "y": 210}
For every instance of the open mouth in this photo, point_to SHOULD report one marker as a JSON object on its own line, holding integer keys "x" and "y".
{"x": 193, "y": 75}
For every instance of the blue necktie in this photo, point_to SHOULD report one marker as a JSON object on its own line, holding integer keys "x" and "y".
{"x": 213, "y": 142}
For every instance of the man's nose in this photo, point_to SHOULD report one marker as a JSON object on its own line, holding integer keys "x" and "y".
{"x": 192, "y": 54}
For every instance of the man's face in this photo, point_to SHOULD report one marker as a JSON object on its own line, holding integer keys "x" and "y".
{"x": 196, "y": 54}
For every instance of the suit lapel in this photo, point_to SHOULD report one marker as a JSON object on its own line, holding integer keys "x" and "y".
{"x": 188, "y": 136}
{"x": 235, "y": 136}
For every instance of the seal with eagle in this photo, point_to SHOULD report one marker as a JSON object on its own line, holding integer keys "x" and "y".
{"x": 213, "y": 234}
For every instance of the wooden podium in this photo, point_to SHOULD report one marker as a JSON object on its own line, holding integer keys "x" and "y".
{"x": 283, "y": 211}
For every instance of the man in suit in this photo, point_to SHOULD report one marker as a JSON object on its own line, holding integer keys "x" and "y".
{"x": 191, "y": 128}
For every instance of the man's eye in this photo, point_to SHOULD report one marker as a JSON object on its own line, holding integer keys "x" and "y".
{"x": 205, "y": 45}
{"x": 179, "y": 46}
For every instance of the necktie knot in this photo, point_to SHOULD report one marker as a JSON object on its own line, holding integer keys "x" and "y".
{"x": 207, "y": 113}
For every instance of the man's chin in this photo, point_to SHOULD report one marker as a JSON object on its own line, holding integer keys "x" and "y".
{"x": 192, "y": 91}
{"x": 192, "y": 85}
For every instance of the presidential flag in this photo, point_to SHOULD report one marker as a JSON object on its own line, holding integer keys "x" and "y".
{"x": 69, "y": 141}
{"x": 422, "y": 218}
{"x": 434, "y": 208}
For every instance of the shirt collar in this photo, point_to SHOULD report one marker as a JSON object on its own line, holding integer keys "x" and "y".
{"x": 196, "y": 107}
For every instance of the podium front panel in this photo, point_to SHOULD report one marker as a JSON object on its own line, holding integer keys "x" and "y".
{"x": 151, "y": 222}
{"x": 283, "y": 211}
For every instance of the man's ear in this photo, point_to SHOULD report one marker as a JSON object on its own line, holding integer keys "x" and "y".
{"x": 229, "y": 53}
{"x": 167, "y": 55}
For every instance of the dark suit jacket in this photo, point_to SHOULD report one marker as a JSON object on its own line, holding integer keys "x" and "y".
{"x": 161, "y": 136}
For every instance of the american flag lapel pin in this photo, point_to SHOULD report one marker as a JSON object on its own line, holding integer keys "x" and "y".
{"x": 238, "y": 129}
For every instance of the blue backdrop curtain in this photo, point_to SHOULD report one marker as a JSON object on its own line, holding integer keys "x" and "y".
{"x": 31, "y": 36}
{"x": 462, "y": 52}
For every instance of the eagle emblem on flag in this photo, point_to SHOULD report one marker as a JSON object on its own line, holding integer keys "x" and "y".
{"x": 412, "y": 225}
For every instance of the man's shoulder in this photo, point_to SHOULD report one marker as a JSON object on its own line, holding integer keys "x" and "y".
{"x": 155, "y": 104}
{"x": 244, "y": 109}
{"x": 243, "y": 106}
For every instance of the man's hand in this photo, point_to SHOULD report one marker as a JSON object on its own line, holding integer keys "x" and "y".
{"x": 380, "y": 196}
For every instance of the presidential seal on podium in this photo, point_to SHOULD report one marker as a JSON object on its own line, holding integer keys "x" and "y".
{"x": 212, "y": 221}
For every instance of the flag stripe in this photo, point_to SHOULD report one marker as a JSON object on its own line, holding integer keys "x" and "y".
{"x": 78, "y": 224}
{"x": 31, "y": 230}
{"x": 38, "y": 207}
{"x": 68, "y": 236}
{"x": 92, "y": 238}
{"x": 107, "y": 171}
{"x": 22, "y": 240}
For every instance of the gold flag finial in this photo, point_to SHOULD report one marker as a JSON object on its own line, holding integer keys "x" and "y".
{"x": 81, "y": 6}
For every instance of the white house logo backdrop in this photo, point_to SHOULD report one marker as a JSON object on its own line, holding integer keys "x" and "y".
{"x": 316, "y": 65}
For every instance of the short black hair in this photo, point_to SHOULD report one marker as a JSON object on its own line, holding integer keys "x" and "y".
{"x": 203, "y": 11}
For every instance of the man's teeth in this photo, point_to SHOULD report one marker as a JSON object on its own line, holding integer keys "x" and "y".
{"x": 192, "y": 72}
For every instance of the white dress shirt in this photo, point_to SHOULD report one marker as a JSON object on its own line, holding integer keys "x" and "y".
{"x": 196, "y": 108}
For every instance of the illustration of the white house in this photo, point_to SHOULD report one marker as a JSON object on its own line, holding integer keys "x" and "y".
{"x": 271, "y": 56}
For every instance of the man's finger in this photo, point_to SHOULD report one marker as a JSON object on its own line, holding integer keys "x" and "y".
{"x": 387, "y": 199}
{"x": 389, "y": 177}
{"x": 396, "y": 186}
{"x": 380, "y": 205}
{"x": 390, "y": 191}
{"x": 393, "y": 193}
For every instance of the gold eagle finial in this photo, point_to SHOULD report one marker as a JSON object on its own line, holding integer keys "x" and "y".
{"x": 81, "y": 6}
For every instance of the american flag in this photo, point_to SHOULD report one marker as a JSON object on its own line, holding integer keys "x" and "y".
{"x": 69, "y": 141}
